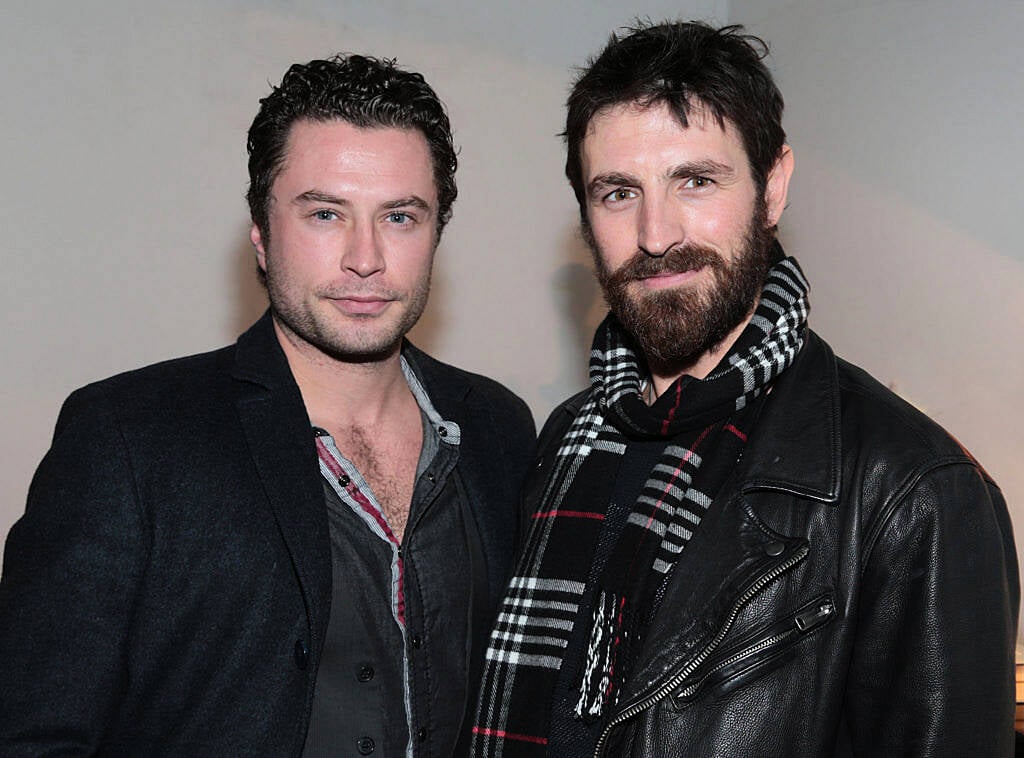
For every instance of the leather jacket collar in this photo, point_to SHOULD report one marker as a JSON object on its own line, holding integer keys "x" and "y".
{"x": 804, "y": 457}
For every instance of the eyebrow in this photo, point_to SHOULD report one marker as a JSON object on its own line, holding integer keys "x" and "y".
{"x": 316, "y": 196}
{"x": 412, "y": 201}
{"x": 611, "y": 179}
{"x": 708, "y": 168}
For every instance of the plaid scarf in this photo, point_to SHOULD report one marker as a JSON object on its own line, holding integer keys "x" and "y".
{"x": 701, "y": 422}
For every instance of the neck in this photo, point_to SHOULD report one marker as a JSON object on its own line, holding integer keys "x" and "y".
{"x": 339, "y": 393}
{"x": 664, "y": 375}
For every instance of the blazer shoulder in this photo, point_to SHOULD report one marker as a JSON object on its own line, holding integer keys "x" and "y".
{"x": 170, "y": 387}
{"x": 197, "y": 367}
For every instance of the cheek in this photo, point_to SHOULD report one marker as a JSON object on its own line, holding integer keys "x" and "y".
{"x": 724, "y": 226}
{"x": 407, "y": 255}
{"x": 305, "y": 248}
{"x": 616, "y": 238}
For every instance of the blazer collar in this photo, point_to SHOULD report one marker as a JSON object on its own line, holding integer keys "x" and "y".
{"x": 448, "y": 389}
{"x": 795, "y": 446}
{"x": 260, "y": 359}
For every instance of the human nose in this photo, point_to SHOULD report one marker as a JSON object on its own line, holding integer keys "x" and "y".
{"x": 362, "y": 255}
{"x": 658, "y": 229}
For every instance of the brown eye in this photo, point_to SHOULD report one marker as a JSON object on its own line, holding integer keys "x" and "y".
{"x": 620, "y": 194}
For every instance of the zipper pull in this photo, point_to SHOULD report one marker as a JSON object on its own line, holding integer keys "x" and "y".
{"x": 815, "y": 616}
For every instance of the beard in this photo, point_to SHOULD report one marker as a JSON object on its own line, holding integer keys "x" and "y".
{"x": 354, "y": 338}
{"x": 675, "y": 327}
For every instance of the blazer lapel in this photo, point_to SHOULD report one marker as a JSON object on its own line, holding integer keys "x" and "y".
{"x": 280, "y": 439}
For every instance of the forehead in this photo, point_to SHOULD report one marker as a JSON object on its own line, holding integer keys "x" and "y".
{"x": 631, "y": 136}
{"x": 322, "y": 150}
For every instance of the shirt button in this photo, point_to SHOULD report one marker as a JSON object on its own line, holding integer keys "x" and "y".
{"x": 365, "y": 745}
{"x": 421, "y": 735}
{"x": 365, "y": 673}
{"x": 442, "y": 431}
{"x": 301, "y": 655}
{"x": 417, "y": 641}
{"x": 343, "y": 480}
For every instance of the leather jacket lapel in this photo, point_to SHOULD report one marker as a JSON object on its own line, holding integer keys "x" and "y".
{"x": 732, "y": 558}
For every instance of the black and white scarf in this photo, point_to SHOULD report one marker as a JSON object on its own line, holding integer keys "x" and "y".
{"x": 703, "y": 425}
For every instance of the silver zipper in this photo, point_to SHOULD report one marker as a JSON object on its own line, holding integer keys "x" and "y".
{"x": 802, "y": 622}
{"x": 702, "y": 656}
{"x": 807, "y": 619}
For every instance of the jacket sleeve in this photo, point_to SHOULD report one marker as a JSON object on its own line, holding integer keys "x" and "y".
{"x": 71, "y": 569}
{"x": 932, "y": 672}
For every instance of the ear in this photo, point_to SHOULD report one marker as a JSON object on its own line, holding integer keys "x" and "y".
{"x": 257, "y": 242}
{"x": 777, "y": 187}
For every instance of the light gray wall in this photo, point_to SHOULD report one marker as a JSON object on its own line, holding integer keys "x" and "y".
{"x": 123, "y": 174}
{"x": 905, "y": 118}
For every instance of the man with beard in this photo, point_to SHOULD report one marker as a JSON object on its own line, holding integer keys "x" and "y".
{"x": 738, "y": 544}
{"x": 294, "y": 545}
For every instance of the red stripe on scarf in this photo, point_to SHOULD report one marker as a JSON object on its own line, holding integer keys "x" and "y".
{"x": 672, "y": 411}
{"x": 569, "y": 514}
{"x": 737, "y": 432}
{"x": 509, "y": 735}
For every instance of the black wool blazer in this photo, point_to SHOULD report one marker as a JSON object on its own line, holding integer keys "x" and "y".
{"x": 168, "y": 588}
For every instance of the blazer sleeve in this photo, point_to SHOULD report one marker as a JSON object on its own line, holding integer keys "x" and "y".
{"x": 932, "y": 672}
{"x": 71, "y": 571}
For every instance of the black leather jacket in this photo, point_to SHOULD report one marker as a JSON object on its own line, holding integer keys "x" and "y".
{"x": 853, "y": 591}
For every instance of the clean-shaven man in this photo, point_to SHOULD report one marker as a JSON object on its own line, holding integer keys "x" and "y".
{"x": 293, "y": 545}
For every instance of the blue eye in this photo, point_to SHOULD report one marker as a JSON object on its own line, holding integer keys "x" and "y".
{"x": 324, "y": 214}
{"x": 399, "y": 217}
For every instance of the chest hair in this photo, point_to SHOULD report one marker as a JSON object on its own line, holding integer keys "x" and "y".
{"x": 388, "y": 464}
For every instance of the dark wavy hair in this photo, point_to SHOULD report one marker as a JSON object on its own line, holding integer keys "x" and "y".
{"x": 364, "y": 91}
{"x": 687, "y": 66}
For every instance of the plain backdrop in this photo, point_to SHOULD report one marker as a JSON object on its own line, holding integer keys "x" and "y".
{"x": 124, "y": 227}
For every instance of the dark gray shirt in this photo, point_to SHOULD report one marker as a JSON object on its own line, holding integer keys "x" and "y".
{"x": 392, "y": 675}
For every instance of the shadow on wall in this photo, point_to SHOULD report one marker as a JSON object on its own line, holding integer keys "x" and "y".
{"x": 580, "y": 307}
{"x": 250, "y": 296}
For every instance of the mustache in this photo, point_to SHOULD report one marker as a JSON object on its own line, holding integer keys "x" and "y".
{"x": 676, "y": 261}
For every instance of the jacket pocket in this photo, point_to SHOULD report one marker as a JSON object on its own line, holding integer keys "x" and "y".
{"x": 757, "y": 654}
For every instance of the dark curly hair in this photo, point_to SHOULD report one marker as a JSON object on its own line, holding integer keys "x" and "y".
{"x": 364, "y": 91}
{"x": 687, "y": 66}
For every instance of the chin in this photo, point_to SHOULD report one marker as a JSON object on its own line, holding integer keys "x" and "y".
{"x": 353, "y": 347}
